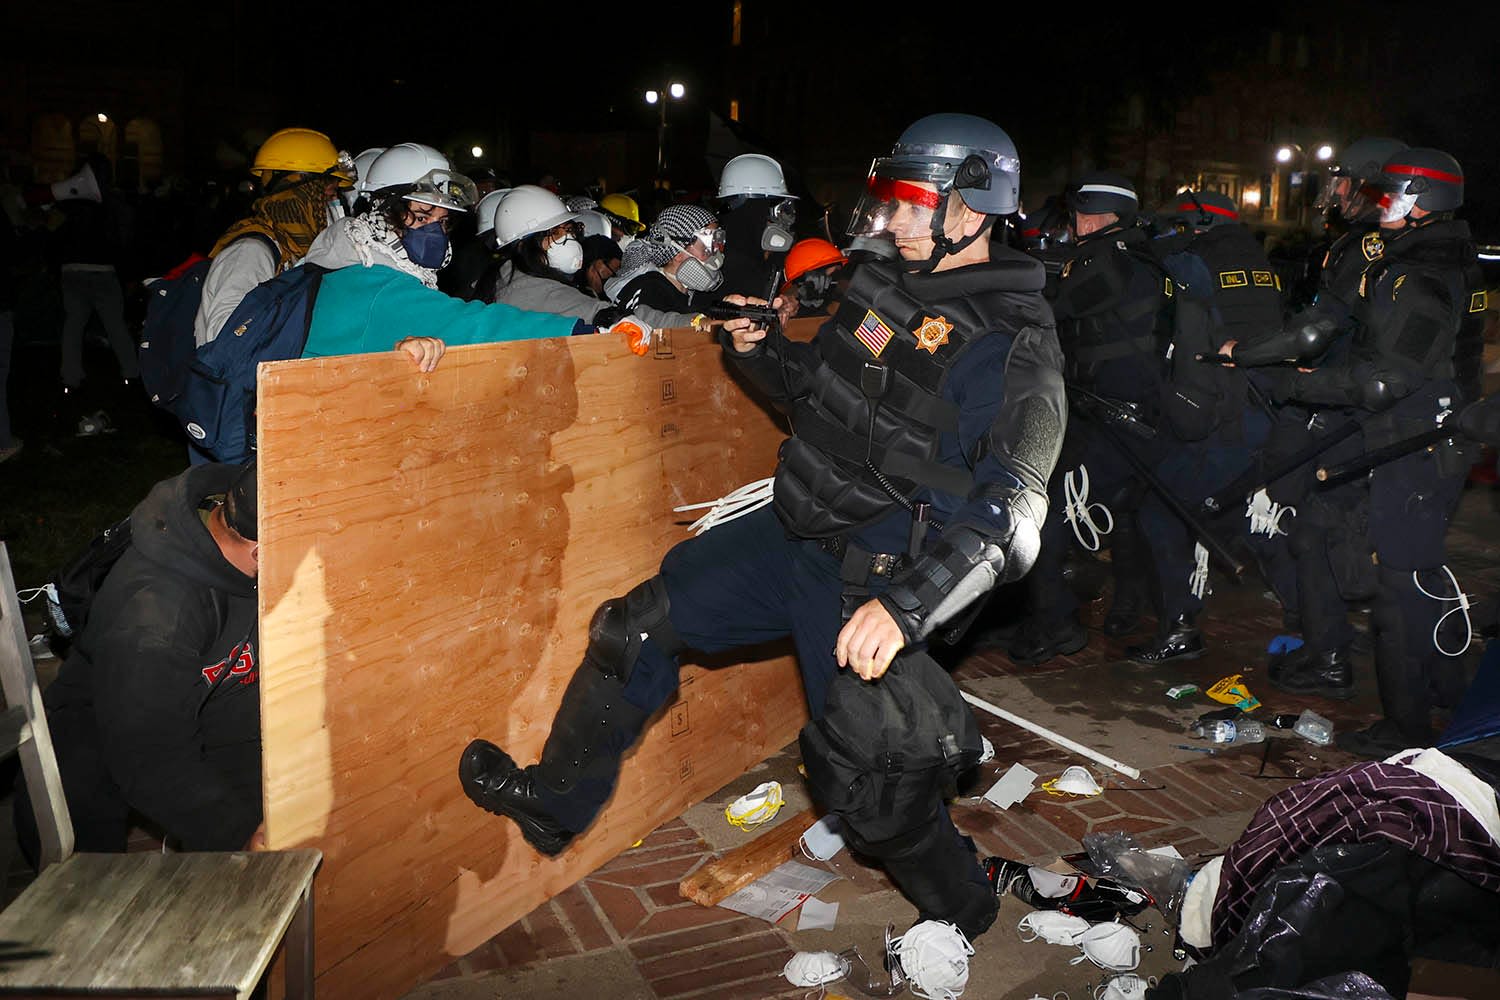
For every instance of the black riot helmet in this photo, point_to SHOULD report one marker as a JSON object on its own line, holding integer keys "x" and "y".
{"x": 1200, "y": 210}
{"x": 1100, "y": 192}
{"x": 1354, "y": 185}
{"x": 1428, "y": 179}
{"x": 954, "y": 153}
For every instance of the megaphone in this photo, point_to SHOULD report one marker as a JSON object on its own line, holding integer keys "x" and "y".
{"x": 82, "y": 186}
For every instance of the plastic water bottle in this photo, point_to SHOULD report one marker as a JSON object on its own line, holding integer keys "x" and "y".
{"x": 1231, "y": 731}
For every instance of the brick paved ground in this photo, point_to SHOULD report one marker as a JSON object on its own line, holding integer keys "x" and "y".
{"x": 679, "y": 950}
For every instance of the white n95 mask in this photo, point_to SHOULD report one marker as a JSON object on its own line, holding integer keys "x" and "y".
{"x": 1126, "y": 987}
{"x": 934, "y": 955}
{"x": 1110, "y": 946}
{"x": 815, "y": 968}
{"x": 1075, "y": 781}
{"x": 1052, "y": 927}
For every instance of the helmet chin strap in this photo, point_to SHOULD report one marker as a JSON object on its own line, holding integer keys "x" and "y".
{"x": 942, "y": 246}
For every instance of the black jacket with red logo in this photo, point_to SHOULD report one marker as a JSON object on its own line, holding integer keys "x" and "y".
{"x": 161, "y": 686}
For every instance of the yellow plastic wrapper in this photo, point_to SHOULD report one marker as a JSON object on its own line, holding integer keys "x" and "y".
{"x": 1231, "y": 690}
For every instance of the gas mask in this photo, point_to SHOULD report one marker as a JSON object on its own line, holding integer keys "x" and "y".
{"x": 426, "y": 246}
{"x": 813, "y": 288}
{"x": 565, "y": 255}
{"x": 777, "y": 236}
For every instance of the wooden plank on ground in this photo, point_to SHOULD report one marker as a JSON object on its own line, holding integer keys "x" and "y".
{"x": 432, "y": 548}
{"x": 722, "y": 877}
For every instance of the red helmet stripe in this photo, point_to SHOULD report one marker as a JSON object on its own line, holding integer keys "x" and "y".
{"x": 1228, "y": 213}
{"x": 1414, "y": 171}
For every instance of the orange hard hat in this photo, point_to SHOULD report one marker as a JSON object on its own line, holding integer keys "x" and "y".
{"x": 810, "y": 254}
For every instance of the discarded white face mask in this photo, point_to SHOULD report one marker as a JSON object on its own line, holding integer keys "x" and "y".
{"x": 756, "y": 807}
{"x": 1059, "y": 995}
{"x": 1075, "y": 781}
{"x": 1052, "y": 927}
{"x": 934, "y": 955}
{"x": 1110, "y": 946}
{"x": 822, "y": 840}
{"x": 815, "y": 968}
{"x": 1126, "y": 987}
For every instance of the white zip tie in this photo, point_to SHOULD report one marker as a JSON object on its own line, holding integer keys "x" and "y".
{"x": 32, "y": 593}
{"x": 1265, "y": 514}
{"x": 737, "y": 503}
{"x": 1079, "y": 512}
{"x": 1462, "y": 608}
{"x": 1198, "y": 579}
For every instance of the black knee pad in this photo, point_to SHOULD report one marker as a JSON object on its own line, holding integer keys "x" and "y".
{"x": 622, "y": 624}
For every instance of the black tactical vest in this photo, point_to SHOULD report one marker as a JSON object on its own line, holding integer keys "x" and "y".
{"x": 1439, "y": 327}
{"x": 890, "y": 350}
{"x": 1112, "y": 317}
{"x": 1246, "y": 291}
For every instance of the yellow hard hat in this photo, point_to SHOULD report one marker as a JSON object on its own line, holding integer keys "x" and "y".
{"x": 622, "y": 205}
{"x": 300, "y": 150}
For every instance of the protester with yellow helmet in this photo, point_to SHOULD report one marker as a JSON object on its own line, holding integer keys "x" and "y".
{"x": 300, "y": 173}
{"x": 624, "y": 215}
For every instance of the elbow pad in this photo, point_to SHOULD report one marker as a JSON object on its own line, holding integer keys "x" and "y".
{"x": 967, "y": 563}
{"x": 1314, "y": 338}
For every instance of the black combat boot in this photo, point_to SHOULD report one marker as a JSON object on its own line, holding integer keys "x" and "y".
{"x": 1040, "y": 643}
{"x": 1329, "y": 674}
{"x": 559, "y": 796}
{"x": 1183, "y": 641}
{"x": 497, "y": 784}
{"x": 1381, "y": 740}
{"x": 1124, "y": 614}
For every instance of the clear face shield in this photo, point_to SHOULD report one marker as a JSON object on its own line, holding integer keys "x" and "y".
{"x": 895, "y": 208}
{"x": 444, "y": 189}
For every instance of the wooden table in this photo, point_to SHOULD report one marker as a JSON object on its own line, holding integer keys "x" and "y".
{"x": 161, "y": 924}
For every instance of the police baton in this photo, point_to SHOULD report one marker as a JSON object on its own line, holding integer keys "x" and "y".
{"x": 1196, "y": 528}
{"x": 1476, "y": 421}
{"x": 1254, "y": 479}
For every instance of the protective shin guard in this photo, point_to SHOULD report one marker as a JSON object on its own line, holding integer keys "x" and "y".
{"x": 938, "y": 870}
{"x": 594, "y": 727}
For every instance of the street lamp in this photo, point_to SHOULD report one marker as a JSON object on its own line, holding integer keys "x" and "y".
{"x": 659, "y": 98}
{"x": 1284, "y": 154}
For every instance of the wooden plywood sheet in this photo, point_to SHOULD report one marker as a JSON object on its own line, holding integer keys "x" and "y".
{"x": 432, "y": 547}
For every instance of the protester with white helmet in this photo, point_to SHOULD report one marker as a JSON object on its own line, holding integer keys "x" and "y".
{"x": 543, "y": 245}
{"x": 758, "y": 214}
{"x": 354, "y": 198}
{"x": 383, "y": 269}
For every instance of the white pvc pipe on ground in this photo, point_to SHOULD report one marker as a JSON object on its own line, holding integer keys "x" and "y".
{"x": 1047, "y": 734}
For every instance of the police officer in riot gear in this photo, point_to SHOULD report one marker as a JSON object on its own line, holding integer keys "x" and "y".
{"x": 1320, "y": 530}
{"x": 1414, "y": 361}
{"x": 1108, "y": 297}
{"x": 931, "y": 400}
{"x": 1223, "y": 285}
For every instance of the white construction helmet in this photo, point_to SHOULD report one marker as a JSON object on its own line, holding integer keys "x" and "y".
{"x": 596, "y": 224}
{"x": 529, "y": 209}
{"x": 754, "y": 175}
{"x": 421, "y": 174}
{"x": 362, "y": 164}
{"x": 484, "y": 212}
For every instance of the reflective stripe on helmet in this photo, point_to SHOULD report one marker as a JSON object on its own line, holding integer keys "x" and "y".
{"x": 1107, "y": 189}
{"x": 1228, "y": 213}
{"x": 1411, "y": 170}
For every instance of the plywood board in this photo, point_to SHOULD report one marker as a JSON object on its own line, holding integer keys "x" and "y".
{"x": 432, "y": 547}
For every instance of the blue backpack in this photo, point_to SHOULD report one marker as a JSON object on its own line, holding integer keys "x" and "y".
{"x": 217, "y": 403}
{"x": 167, "y": 345}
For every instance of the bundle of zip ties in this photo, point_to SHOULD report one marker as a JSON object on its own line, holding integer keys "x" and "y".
{"x": 748, "y": 498}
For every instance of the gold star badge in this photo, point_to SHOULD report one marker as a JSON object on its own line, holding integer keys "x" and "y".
{"x": 933, "y": 333}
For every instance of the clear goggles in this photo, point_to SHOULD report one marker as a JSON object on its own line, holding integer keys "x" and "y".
{"x": 344, "y": 169}
{"x": 710, "y": 238}
{"x": 783, "y": 214}
{"x": 444, "y": 189}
